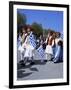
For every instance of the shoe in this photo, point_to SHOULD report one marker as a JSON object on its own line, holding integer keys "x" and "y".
{"x": 23, "y": 65}
{"x": 21, "y": 61}
{"x": 55, "y": 61}
{"x": 32, "y": 63}
{"x": 45, "y": 60}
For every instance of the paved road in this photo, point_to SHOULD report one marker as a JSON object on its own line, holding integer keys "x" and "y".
{"x": 48, "y": 70}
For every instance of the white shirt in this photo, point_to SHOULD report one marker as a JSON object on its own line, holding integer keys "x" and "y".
{"x": 49, "y": 49}
{"x": 47, "y": 38}
{"x": 57, "y": 40}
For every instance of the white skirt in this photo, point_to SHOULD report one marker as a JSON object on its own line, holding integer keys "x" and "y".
{"x": 20, "y": 53}
{"x": 21, "y": 49}
{"x": 49, "y": 50}
{"x": 29, "y": 51}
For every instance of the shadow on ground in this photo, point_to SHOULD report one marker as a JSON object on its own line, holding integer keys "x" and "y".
{"x": 34, "y": 69}
{"x": 22, "y": 74}
{"x": 21, "y": 70}
{"x": 37, "y": 62}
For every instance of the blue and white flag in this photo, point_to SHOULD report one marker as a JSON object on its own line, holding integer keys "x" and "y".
{"x": 32, "y": 40}
{"x": 41, "y": 52}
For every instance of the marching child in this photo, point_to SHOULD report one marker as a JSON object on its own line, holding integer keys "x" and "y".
{"x": 49, "y": 50}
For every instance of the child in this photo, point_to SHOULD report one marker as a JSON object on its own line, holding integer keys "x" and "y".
{"x": 21, "y": 48}
{"x": 58, "y": 48}
{"x": 49, "y": 50}
{"x": 29, "y": 46}
{"x": 59, "y": 52}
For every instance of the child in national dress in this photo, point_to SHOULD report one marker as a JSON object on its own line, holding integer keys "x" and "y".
{"x": 29, "y": 44}
{"x": 49, "y": 49}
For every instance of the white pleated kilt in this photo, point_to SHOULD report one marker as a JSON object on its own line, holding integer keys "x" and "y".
{"x": 29, "y": 51}
{"x": 21, "y": 49}
{"x": 49, "y": 50}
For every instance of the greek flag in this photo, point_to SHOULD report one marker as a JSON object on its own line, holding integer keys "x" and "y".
{"x": 41, "y": 52}
{"x": 32, "y": 40}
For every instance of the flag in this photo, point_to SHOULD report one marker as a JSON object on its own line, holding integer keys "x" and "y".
{"x": 41, "y": 52}
{"x": 32, "y": 40}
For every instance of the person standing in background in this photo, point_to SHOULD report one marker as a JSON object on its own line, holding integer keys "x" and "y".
{"x": 58, "y": 48}
{"x": 53, "y": 43}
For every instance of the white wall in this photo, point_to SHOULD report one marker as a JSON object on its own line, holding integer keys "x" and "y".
{"x": 4, "y": 46}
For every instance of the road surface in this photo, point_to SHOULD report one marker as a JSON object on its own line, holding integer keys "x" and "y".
{"x": 46, "y": 70}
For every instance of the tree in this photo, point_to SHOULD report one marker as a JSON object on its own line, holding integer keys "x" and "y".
{"x": 21, "y": 20}
{"x": 37, "y": 29}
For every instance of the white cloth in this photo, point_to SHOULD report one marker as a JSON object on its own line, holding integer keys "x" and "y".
{"x": 21, "y": 51}
{"x": 20, "y": 48}
{"x": 47, "y": 38}
{"x": 49, "y": 50}
{"x": 28, "y": 48}
{"x": 29, "y": 51}
{"x": 57, "y": 40}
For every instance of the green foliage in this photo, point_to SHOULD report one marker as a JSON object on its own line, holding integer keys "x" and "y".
{"x": 46, "y": 31}
{"x": 21, "y": 19}
{"x": 50, "y": 30}
{"x": 37, "y": 29}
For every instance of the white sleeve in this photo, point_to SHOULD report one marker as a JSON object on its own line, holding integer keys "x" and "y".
{"x": 46, "y": 41}
{"x": 52, "y": 42}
